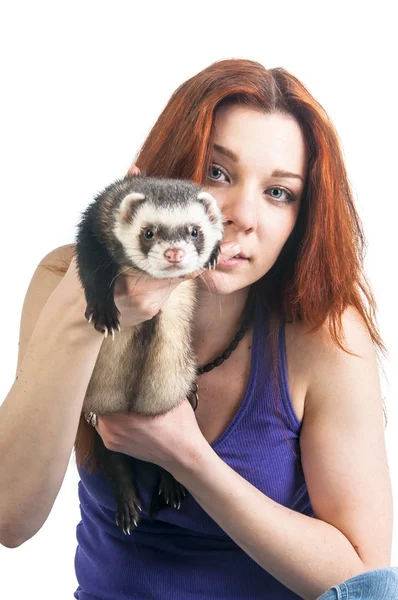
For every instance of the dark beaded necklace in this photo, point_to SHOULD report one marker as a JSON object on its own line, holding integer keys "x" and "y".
{"x": 227, "y": 353}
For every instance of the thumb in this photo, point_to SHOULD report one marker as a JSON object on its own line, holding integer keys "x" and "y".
{"x": 229, "y": 249}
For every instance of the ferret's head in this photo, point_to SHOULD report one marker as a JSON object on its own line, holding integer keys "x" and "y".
{"x": 167, "y": 227}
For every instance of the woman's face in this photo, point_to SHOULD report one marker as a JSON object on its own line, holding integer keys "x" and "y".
{"x": 260, "y": 204}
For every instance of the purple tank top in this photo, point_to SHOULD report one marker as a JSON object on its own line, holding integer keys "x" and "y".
{"x": 183, "y": 554}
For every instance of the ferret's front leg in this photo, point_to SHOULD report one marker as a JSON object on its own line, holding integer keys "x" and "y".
{"x": 212, "y": 262}
{"x": 97, "y": 273}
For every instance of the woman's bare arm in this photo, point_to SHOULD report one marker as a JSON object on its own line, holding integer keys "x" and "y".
{"x": 40, "y": 415}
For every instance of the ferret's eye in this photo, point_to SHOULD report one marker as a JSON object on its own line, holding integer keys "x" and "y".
{"x": 148, "y": 234}
{"x": 195, "y": 232}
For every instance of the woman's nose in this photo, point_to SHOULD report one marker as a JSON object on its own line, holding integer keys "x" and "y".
{"x": 240, "y": 210}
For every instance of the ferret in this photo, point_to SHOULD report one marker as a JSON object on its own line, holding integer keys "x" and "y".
{"x": 162, "y": 228}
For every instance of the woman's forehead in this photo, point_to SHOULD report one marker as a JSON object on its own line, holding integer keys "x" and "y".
{"x": 246, "y": 136}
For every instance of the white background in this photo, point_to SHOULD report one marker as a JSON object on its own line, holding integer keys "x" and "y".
{"x": 83, "y": 83}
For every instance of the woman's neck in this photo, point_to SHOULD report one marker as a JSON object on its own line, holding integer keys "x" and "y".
{"x": 217, "y": 319}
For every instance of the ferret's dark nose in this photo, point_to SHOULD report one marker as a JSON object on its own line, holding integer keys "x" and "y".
{"x": 174, "y": 255}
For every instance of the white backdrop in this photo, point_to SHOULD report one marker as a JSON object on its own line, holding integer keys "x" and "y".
{"x": 82, "y": 84}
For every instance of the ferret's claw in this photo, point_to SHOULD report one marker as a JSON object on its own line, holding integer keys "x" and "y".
{"x": 118, "y": 327}
{"x": 106, "y": 331}
{"x": 113, "y": 334}
{"x": 90, "y": 319}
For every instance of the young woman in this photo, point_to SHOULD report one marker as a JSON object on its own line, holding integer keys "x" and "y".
{"x": 284, "y": 460}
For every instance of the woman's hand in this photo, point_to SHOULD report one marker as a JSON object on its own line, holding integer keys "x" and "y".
{"x": 139, "y": 297}
{"x": 171, "y": 440}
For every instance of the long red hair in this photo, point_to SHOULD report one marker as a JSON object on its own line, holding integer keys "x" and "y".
{"x": 319, "y": 271}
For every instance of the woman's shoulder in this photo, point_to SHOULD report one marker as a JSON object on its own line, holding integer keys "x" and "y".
{"x": 58, "y": 259}
{"x": 313, "y": 352}
{"x": 58, "y": 255}
{"x": 320, "y": 343}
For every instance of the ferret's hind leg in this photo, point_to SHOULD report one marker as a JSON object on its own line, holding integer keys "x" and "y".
{"x": 118, "y": 468}
{"x": 170, "y": 493}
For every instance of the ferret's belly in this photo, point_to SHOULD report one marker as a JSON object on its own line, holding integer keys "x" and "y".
{"x": 147, "y": 376}
{"x": 108, "y": 387}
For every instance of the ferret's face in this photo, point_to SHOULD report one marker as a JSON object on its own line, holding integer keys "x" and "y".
{"x": 169, "y": 242}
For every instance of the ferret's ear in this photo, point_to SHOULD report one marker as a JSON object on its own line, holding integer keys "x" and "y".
{"x": 127, "y": 204}
{"x": 211, "y": 206}
{"x": 130, "y": 199}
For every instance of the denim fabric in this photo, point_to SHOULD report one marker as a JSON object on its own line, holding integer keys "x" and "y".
{"x": 381, "y": 584}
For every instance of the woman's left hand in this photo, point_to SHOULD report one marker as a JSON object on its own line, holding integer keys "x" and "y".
{"x": 171, "y": 440}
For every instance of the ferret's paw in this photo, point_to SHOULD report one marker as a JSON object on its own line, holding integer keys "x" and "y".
{"x": 212, "y": 262}
{"x": 172, "y": 492}
{"x": 104, "y": 317}
{"x": 168, "y": 493}
{"x": 127, "y": 511}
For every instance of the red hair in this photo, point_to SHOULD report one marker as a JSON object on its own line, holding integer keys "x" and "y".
{"x": 319, "y": 272}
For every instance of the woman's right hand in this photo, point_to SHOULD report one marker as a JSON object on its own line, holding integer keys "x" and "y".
{"x": 137, "y": 296}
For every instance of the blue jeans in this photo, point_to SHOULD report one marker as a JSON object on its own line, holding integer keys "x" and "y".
{"x": 381, "y": 584}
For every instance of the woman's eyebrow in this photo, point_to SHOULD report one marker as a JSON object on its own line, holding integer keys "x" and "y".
{"x": 276, "y": 173}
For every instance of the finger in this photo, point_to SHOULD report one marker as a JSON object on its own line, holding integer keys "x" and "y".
{"x": 134, "y": 170}
{"x": 229, "y": 249}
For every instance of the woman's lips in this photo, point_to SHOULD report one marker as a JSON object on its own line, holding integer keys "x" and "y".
{"x": 233, "y": 262}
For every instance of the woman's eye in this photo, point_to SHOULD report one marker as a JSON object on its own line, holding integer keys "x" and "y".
{"x": 288, "y": 195}
{"x": 213, "y": 169}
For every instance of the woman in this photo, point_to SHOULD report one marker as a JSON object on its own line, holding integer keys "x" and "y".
{"x": 284, "y": 459}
